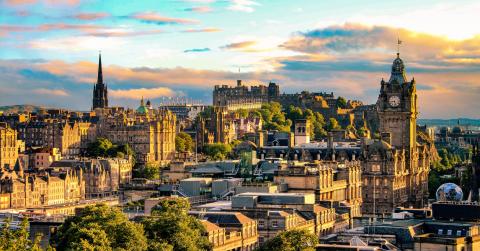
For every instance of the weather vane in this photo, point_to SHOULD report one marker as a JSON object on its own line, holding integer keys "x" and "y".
{"x": 399, "y": 42}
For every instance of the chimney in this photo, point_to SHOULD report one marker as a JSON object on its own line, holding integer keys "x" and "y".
{"x": 239, "y": 83}
{"x": 330, "y": 140}
{"x": 387, "y": 137}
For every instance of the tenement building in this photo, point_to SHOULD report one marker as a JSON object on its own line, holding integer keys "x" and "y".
{"x": 8, "y": 146}
{"x": 103, "y": 177}
{"x": 32, "y": 190}
{"x": 396, "y": 167}
{"x": 150, "y": 132}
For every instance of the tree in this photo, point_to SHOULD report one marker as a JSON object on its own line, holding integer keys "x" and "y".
{"x": 172, "y": 228}
{"x": 294, "y": 113}
{"x": 18, "y": 239}
{"x": 217, "y": 151}
{"x": 103, "y": 147}
{"x": 99, "y": 148}
{"x": 293, "y": 240}
{"x": 150, "y": 171}
{"x": 183, "y": 142}
{"x": 341, "y": 102}
{"x": 333, "y": 124}
{"x": 99, "y": 227}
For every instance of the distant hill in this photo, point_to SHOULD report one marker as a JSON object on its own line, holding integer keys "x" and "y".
{"x": 19, "y": 108}
{"x": 449, "y": 122}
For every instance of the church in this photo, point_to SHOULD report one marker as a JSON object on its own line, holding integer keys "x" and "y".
{"x": 396, "y": 166}
{"x": 150, "y": 132}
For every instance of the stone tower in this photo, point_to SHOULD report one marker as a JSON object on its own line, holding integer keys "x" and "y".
{"x": 100, "y": 92}
{"x": 397, "y": 108}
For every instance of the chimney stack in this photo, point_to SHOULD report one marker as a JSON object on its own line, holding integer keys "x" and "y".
{"x": 330, "y": 140}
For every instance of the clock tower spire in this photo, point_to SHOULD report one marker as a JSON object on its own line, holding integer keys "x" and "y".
{"x": 397, "y": 107}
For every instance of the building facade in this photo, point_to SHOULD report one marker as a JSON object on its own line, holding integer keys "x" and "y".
{"x": 8, "y": 146}
{"x": 396, "y": 167}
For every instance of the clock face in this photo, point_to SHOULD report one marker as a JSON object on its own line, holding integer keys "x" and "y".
{"x": 394, "y": 101}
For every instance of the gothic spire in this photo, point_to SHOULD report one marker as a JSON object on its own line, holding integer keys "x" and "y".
{"x": 100, "y": 74}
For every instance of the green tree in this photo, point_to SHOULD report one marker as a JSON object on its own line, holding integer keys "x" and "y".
{"x": 150, "y": 171}
{"x": 183, "y": 142}
{"x": 217, "y": 151}
{"x": 242, "y": 113}
{"x": 293, "y": 240}
{"x": 294, "y": 113}
{"x": 341, "y": 102}
{"x": 99, "y": 148}
{"x": 333, "y": 124}
{"x": 170, "y": 227}
{"x": 17, "y": 239}
{"x": 103, "y": 147}
{"x": 207, "y": 112}
{"x": 99, "y": 227}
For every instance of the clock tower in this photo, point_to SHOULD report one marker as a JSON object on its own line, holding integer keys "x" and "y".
{"x": 397, "y": 108}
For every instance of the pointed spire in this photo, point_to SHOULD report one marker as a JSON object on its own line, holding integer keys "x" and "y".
{"x": 100, "y": 74}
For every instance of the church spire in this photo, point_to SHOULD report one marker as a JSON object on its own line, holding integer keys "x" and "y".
{"x": 100, "y": 94}
{"x": 100, "y": 74}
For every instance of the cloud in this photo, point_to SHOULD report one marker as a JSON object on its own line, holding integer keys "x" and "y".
{"x": 122, "y": 33}
{"x": 197, "y": 50}
{"x": 369, "y": 46}
{"x": 199, "y": 9}
{"x": 210, "y": 29}
{"x": 239, "y": 45}
{"x": 153, "y": 17}
{"x": 50, "y": 92}
{"x": 50, "y": 27}
{"x": 351, "y": 59}
{"x": 91, "y": 15}
{"x": 142, "y": 92}
{"x": 242, "y": 5}
{"x": 47, "y": 2}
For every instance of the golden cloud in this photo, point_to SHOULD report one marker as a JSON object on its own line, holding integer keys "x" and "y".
{"x": 143, "y": 92}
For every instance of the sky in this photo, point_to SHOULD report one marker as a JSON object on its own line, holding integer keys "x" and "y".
{"x": 165, "y": 49}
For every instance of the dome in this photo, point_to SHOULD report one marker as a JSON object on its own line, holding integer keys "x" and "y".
{"x": 142, "y": 109}
{"x": 449, "y": 192}
{"x": 398, "y": 71}
{"x": 457, "y": 129}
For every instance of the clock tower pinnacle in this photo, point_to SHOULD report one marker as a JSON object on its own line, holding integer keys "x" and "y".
{"x": 397, "y": 107}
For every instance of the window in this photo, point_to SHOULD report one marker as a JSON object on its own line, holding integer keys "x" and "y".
{"x": 459, "y": 232}
{"x": 274, "y": 223}
{"x": 449, "y": 232}
{"x": 375, "y": 168}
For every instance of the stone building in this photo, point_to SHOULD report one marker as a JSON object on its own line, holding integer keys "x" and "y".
{"x": 235, "y": 226}
{"x": 102, "y": 177}
{"x": 27, "y": 190}
{"x": 338, "y": 183}
{"x": 40, "y": 158}
{"x": 52, "y": 133}
{"x": 243, "y": 97}
{"x": 396, "y": 167}
{"x": 278, "y": 212}
{"x": 150, "y": 132}
{"x": 8, "y": 146}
